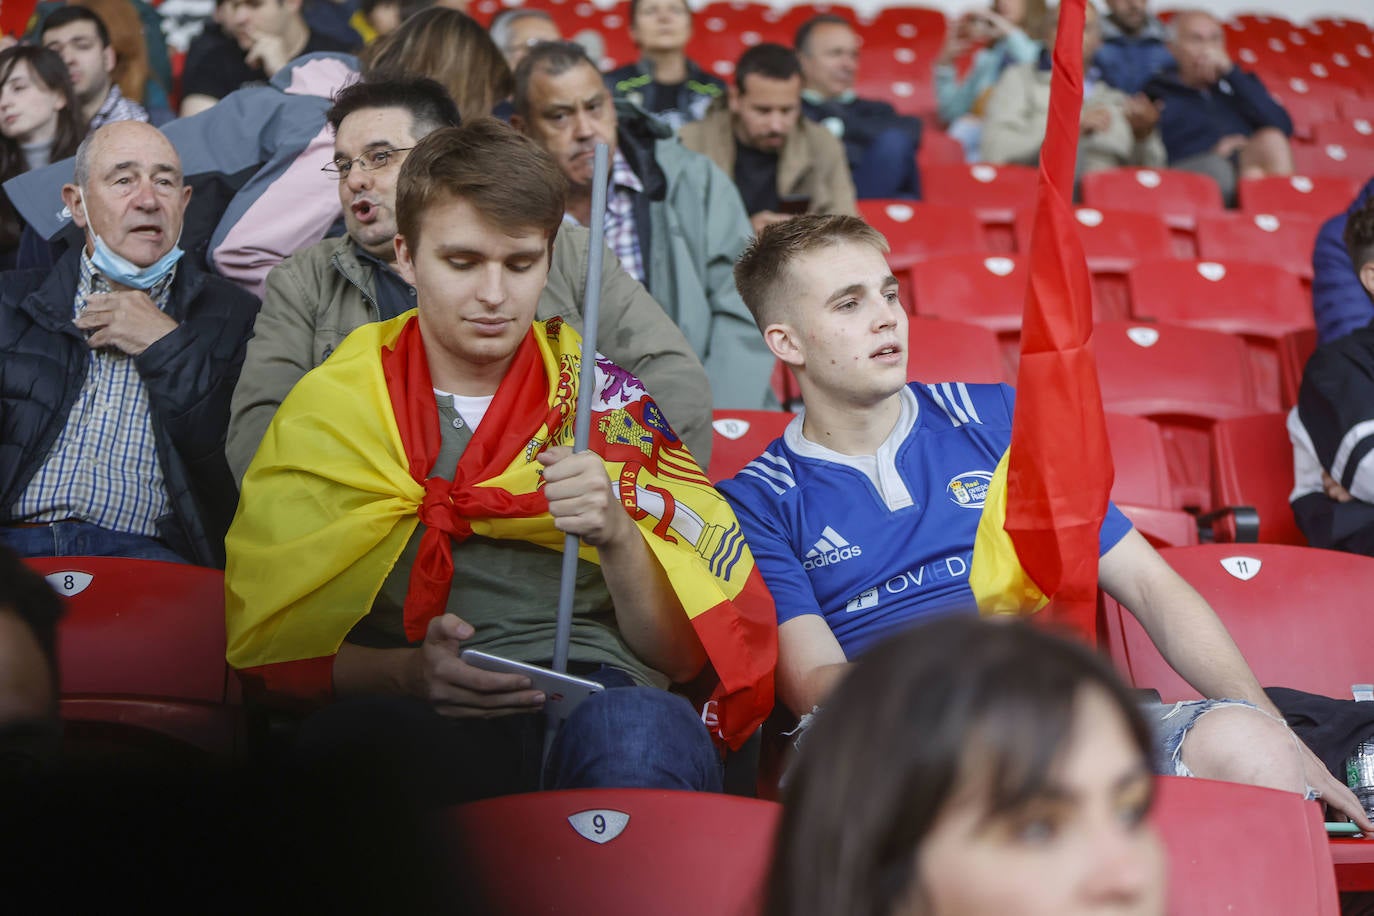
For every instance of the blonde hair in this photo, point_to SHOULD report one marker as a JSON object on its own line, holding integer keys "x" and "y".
{"x": 449, "y": 48}
{"x": 761, "y": 272}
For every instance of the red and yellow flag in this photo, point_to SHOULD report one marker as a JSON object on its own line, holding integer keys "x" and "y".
{"x": 341, "y": 480}
{"x": 1059, "y": 467}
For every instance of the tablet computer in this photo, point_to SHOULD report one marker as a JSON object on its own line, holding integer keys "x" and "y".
{"x": 562, "y": 692}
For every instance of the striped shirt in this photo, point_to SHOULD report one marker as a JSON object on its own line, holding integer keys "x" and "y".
{"x": 103, "y": 468}
{"x": 117, "y": 108}
{"x": 622, "y": 236}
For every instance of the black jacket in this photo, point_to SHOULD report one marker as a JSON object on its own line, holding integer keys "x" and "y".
{"x": 189, "y": 375}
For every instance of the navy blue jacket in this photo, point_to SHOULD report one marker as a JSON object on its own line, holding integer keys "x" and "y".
{"x": 1128, "y": 61}
{"x": 1193, "y": 120}
{"x": 1339, "y": 301}
{"x": 189, "y": 375}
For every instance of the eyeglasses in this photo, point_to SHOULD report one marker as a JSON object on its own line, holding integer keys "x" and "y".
{"x": 370, "y": 161}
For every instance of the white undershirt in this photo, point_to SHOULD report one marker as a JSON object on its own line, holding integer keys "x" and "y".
{"x": 472, "y": 410}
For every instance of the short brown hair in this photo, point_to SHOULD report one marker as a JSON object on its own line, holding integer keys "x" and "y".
{"x": 1359, "y": 234}
{"x": 761, "y": 272}
{"x": 505, "y": 175}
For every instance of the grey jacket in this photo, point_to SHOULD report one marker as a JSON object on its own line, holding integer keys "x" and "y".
{"x": 318, "y": 295}
{"x": 695, "y": 225}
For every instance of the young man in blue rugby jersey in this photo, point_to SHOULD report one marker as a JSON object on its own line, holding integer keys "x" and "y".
{"x": 862, "y": 516}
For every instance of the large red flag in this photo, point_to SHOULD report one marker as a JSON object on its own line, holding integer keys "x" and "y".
{"x": 1059, "y": 467}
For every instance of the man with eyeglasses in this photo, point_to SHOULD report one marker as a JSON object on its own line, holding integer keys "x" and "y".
{"x": 318, "y": 295}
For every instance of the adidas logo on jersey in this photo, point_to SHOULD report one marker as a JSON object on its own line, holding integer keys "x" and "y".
{"x": 830, "y": 549}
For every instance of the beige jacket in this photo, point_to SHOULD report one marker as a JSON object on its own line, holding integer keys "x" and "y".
{"x": 811, "y": 164}
{"x": 1015, "y": 116}
{"x": 318, "y": 295}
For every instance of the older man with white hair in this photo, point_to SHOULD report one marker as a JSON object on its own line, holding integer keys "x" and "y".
{"x": 119, "y": 364}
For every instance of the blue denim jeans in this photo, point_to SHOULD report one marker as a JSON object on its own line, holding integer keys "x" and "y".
{"x": 626, "y": 737}
{"x": 82, "y": 539}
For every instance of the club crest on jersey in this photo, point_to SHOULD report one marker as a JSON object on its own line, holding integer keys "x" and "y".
{"x": 969, "y": 489}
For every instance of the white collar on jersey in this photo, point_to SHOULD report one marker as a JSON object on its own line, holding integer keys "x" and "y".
{"x": 881, "y": 467}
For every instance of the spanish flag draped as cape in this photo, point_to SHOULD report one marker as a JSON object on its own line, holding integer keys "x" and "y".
{"x": 342, "y": 479}
{"x": 1037, "y": 541}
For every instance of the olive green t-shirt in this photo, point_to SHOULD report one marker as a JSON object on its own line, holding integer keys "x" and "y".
{"x": 506, "y": 589}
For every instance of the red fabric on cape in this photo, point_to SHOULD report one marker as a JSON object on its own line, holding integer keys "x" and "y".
{"x": 518, "y": 409}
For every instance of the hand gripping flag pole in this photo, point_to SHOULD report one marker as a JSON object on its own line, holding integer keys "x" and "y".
{"x": 582, "y": 424}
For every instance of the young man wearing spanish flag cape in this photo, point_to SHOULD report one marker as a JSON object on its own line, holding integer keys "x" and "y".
{"x": 426, "y": 468}
{"x": 881, "y": 506}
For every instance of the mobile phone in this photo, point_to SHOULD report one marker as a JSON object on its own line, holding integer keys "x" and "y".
{"x": 794, "y": 204}
{"x": 562, "y": 692}
{"x": 1341, "y": 828}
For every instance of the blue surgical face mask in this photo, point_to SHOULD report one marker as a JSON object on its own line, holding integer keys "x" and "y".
{"x": 118, "y": 269}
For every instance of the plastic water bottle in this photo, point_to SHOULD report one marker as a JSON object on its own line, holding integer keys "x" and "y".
{"x": 1359, "y": 766}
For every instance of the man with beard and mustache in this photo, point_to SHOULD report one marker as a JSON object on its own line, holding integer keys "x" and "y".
{"x": 783, "y": 164}
{"x": 321, "y": 293}
{"x": 673, "y": 219}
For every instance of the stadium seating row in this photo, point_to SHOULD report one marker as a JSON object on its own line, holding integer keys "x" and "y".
{"x": 147, "y": 634}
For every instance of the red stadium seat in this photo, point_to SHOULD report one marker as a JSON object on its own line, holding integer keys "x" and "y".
{"x": 916, "y": 231}
{"x": 1353, "y": 132}
{"x": 1177, "y": 196}
{"x": 1235, "y": 848}
{"x": 1266, "y": 238}
{"x": 1317, "y": 197}
{"x": 996, "y": 193}
{"x": 1252, "y": 465}
{"x": 952, "y": 351}
{"x": 1141, "y": 488}
{"x": 1334, "y": 160}
{"x": 1113, "y": 241}
{"x": 141, "y": 650}
{"x": 740, "y": 436}
{"x": 987, "y": 290}
{"x": 1183, "y": 378}
{"x": 1295, "y": 348}
{"x": 1257, "y": 301}
{"x": 1356, "y": 108}
{"x": 1297, "y": 614}
{"x": 938, "y": 148}
{"x": 614, "y": 852}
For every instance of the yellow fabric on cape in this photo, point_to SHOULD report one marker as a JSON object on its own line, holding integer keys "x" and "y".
{"x": 329, "y": 504}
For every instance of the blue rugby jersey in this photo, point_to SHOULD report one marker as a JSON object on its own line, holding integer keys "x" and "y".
{"x": 877, "y": 543}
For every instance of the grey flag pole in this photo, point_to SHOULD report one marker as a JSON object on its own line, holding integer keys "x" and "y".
{"x": 591, "y": 308}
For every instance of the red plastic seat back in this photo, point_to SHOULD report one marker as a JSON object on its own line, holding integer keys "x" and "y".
{"x": 995, "y": 192}
{"x": 1283, "y": 240}
{"x": 1253, "y": 466}
{"x": 140, "y": 628}
{"x": 1298, "y": 614}
{"x": 615, "y": 852}
{"x": 1260, "y": 302}
{"x": 1177, "y": 196}
{"x": 141, "y": 650}
{"x": 740, "y": 436}
{"x": 984, "y": 289}
{"x": 917, "y": 231}
{"x": 1334, "y": 160}
{"x": 1183, "y": 378}
{"x": 952, "y": 351}
{"x": 1142, "y": 472}
{"x": 1242, "y": 849}
{"x": 1318, "y": 197}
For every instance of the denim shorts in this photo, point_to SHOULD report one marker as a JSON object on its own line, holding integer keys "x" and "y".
{"x": 1170, "y": 723}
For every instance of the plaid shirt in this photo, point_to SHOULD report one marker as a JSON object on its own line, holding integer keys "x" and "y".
{"x": 622, "y": 237}
{"x": 104, "y": 468}
{"x": 117, "y": 108}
